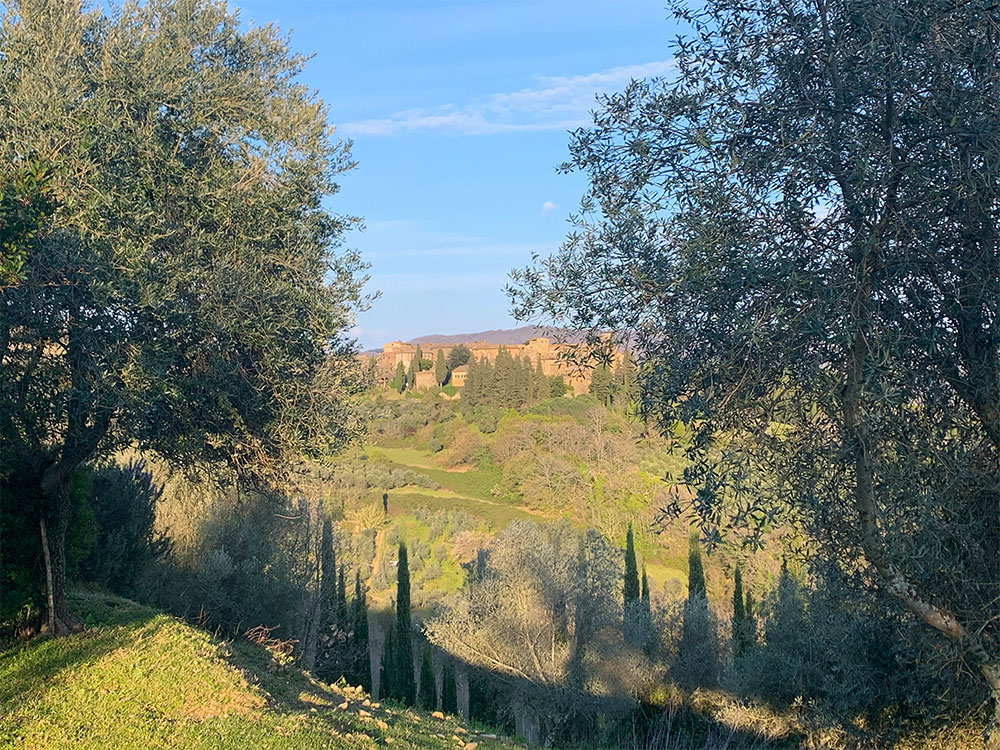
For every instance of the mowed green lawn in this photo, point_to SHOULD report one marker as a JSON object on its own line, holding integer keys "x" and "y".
{"x": 475, "y": 483}
{"x": 137, "y": 678}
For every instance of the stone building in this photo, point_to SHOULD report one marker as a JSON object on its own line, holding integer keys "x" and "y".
{"x": 459, "y": 375}
{"x": 425, "y": 380}
{"x": 552, "y": 356}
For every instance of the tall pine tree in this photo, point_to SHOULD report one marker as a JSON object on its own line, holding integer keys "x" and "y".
{"x": 403, "y": 680}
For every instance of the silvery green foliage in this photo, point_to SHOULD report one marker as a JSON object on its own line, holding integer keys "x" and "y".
{"x": 185, "y": 296}
{"x": 544, "y": 615}
{"x": 798, "y": 231}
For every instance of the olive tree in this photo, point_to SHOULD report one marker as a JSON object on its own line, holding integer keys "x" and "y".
{"x": 544, "y": 617}
{"x": 183, "y": 297}
{"x": 798, "y": 229}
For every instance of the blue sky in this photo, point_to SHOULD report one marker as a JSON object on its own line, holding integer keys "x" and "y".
{"x": 459, "y": 112}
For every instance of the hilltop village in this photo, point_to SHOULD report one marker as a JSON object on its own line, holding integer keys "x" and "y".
{"x": 555, "y": 359}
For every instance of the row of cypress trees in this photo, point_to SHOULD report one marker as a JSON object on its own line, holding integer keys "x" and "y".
{"x": 638, "y": 621}
{"x": 397, "y": 677}
{"x": 618, "y": 386}
{"x": 508, "y": 382}
{"x": 343, "y": 643}
{"x": 428, "y": 694}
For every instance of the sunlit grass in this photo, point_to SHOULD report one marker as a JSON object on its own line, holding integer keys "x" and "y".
{"x": 137, "y": 678}
{"x": 407, "y": 500}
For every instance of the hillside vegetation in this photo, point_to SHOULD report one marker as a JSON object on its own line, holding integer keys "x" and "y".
{"x": 138, "y": 678}
{"x": 771, "y": 520}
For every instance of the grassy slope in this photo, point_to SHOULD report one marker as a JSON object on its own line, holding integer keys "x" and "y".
{"x": 470, "y": 491}
{"x": 139, "y": 678}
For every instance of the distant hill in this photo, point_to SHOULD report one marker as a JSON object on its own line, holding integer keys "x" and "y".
{"x": 501, "y": 336}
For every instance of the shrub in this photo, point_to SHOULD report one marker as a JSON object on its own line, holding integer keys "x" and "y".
{"x": 123, "y": 500}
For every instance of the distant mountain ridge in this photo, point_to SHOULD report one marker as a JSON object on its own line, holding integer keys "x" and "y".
{"x": 501, "y": 336}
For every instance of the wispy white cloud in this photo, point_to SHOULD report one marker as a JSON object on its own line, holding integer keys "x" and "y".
{"x": 554, "y": 103}
{"x": 548, "y": 206}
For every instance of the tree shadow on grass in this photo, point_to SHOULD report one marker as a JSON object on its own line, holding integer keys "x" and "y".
{"x": 27, "y": 669}
{"x": 288, "y": 689}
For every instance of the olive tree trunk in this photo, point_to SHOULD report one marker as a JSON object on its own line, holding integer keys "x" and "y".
{"x": 59, "y": 620}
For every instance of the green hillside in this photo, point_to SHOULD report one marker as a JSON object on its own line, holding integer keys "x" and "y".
{"x": 137, "y": 678}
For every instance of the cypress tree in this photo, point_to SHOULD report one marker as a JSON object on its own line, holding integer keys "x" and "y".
{"x": 529, "y": 380}
{"x": 541, "y": 382}
{"x": 739, "y": 615}
{"x": 440, "y": 368}
{"x": 360, "y": 647}
{"x": 328, "y": 568}
{"x": 473, "y": 384}
{"x": 449, "y": 689}
{"x": 696, "y": 572}
{"x": 697, "y": 662}
{"x": 326, "y": 664}
{"x": 751, "y": 621}
{"x": 484, "y": 700}
{"x": 503, "y": 379}
{"x": 626, "y": 381}
{"x": 398, "y": 382}
{"x": 631, "y": 588}
{"x": 645, "y": 591}
{"x": 387, "y": 667}
{"x": 600, "y": 383}
{"x": 405, "y": 684}
{"x": 428, "y": 687}
{"x": 523, "y": 374}
{"x": 411, "y": 373}
{"x": 341, "y": 600}
{"x": 645, "y": 630}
